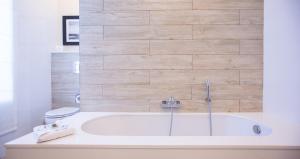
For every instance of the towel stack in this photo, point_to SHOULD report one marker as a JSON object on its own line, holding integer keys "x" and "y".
{"x": 48, "y": 132}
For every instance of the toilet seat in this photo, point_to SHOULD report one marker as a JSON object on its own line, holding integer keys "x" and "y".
{"x": 61, "y": 112}
{"x": 58, "y": 114}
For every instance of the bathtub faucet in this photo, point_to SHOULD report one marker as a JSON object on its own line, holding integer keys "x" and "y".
{"x": 170, "y": 103}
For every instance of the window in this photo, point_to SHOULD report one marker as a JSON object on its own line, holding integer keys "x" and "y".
{"x": 6, "y": 51}
{"x": 7, "y": 117}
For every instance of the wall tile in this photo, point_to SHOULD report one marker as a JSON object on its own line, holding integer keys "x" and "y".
{"x": 90, "y": 6}
{"x": 228, "y": 4}
{"x": 194, "y": 46}
{"x": 251, "y": 105}
{"x": 252, "y": 16}
{"x": 135, "y": 53}
{"x": 195, "y": 17}
{"x": 91, "y": 33}
{"x": 148, "y": 62}
{"x": 251, "y": 47}
{"x": 228, "y": 32}
{"x": 115, "y": 105}
{"x": 144, "y": 92}
{"x": 194, "y": 76}
{"x": 117, "y": 47}
{"x": 227, "y": 62}
{"x": 147, "y": 4}
{"x": 251, "y": 76}
{"x": 90, "y": 62}
{"x": 229, "y": 92}
{"x": 100, "y": 77}
{"x": 64, "y": 83}
{"x": 115, "y": 18}
{"x": 148, "y": 32}
{"x": 90, "y": 92}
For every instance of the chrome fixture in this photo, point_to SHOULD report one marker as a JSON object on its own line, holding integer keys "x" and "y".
{"x": 76, "y": 66}
{"x": 170, "y": 103}
{"x": 77, "y": 98}
{"x": 208, "y": 100}
{"x": 256, "y": 129}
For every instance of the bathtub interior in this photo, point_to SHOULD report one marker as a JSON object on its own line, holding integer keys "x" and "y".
{"x": 183, "y": 125}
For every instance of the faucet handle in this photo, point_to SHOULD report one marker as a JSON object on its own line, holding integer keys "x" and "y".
{"x": 170, "y": 103}
{"x": 171, "y": 99}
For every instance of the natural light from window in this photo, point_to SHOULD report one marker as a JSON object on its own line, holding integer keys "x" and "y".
{"x": 6, "y": 51}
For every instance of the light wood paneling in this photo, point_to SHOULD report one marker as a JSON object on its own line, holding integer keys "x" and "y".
{"x": 90, "y": 92}
{"x": 93, "y": 62}
{"x": 194, "y": 76}
{"x": 90, "y": 6}
{"x": 147, "y": 4}
{"x": 148, "y": 62}
{"x": 115, "y": 105}
{"x": 148, "y": 32}
{"x": 195, "y": 17}
{"x": 115, "y": 18}
{"x": 146, "y": 91}
{"x": 251, "y": 105}
{"x": 251, "y": 76}
{"x": 228, "y": 4}
{"x": 117, "y": 47}
{"x": 64, "y": 83}
{"x": 90, "y": 34}
{"x": 116, "y": 77}
{"x": 229, "y": 92}
{"x": 227, "y": 62}
{"x": 251, "y": 46}
{"x": 227, "y": 31}
{"x": 135, "y": 53}
{"x": 252, "y": 16}
{"x": 194, "y": 46}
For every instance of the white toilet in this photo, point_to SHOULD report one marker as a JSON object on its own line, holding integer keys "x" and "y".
{"x": 60, "y": 113}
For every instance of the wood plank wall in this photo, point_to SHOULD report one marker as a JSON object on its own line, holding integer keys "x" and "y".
{"x": 135, "y": 53}
{"x": 65, "y": 83}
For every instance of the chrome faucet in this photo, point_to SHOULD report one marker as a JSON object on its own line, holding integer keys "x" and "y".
{"x": 77, "y": 98}
{"x": 170, "y": 103}
{"x": 208, "y": 100}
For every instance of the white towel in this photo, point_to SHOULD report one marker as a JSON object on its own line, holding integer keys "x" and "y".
{"x": 48, "y": 132}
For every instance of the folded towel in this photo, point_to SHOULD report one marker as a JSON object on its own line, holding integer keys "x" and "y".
{"x": 48, "y": 132}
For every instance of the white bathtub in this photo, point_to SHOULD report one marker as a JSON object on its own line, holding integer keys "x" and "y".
{"x": 183, "y": 125}
{"x": 145, "y": 136}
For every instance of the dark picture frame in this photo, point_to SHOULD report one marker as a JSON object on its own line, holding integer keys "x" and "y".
{"x": 70, "y": 30}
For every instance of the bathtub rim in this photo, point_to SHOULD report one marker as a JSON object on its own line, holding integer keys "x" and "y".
{"x": 85, "y": 140}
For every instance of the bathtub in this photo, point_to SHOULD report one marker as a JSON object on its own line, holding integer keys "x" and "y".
{"x": 183, "y": 125}
{"x": 146, "y": 136}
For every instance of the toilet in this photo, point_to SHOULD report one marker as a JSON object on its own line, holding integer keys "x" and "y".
{"x": 60, "y": 113}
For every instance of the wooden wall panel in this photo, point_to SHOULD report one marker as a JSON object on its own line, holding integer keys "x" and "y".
{"x": 228, "y": 4}
{"x": 135, "y": 53}
{"x": 194, "y": 47}
{"x": 65, "y": 83}
{"x": 147, "y": 4}
{"x": 196, "y": 17}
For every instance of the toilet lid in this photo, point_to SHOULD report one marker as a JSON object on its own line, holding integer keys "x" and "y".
{"x": 61, "y": 112}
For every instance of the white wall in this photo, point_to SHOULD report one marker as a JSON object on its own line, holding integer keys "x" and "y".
{"x": 282, "y": 59}
{"x": 37, "y": 29}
